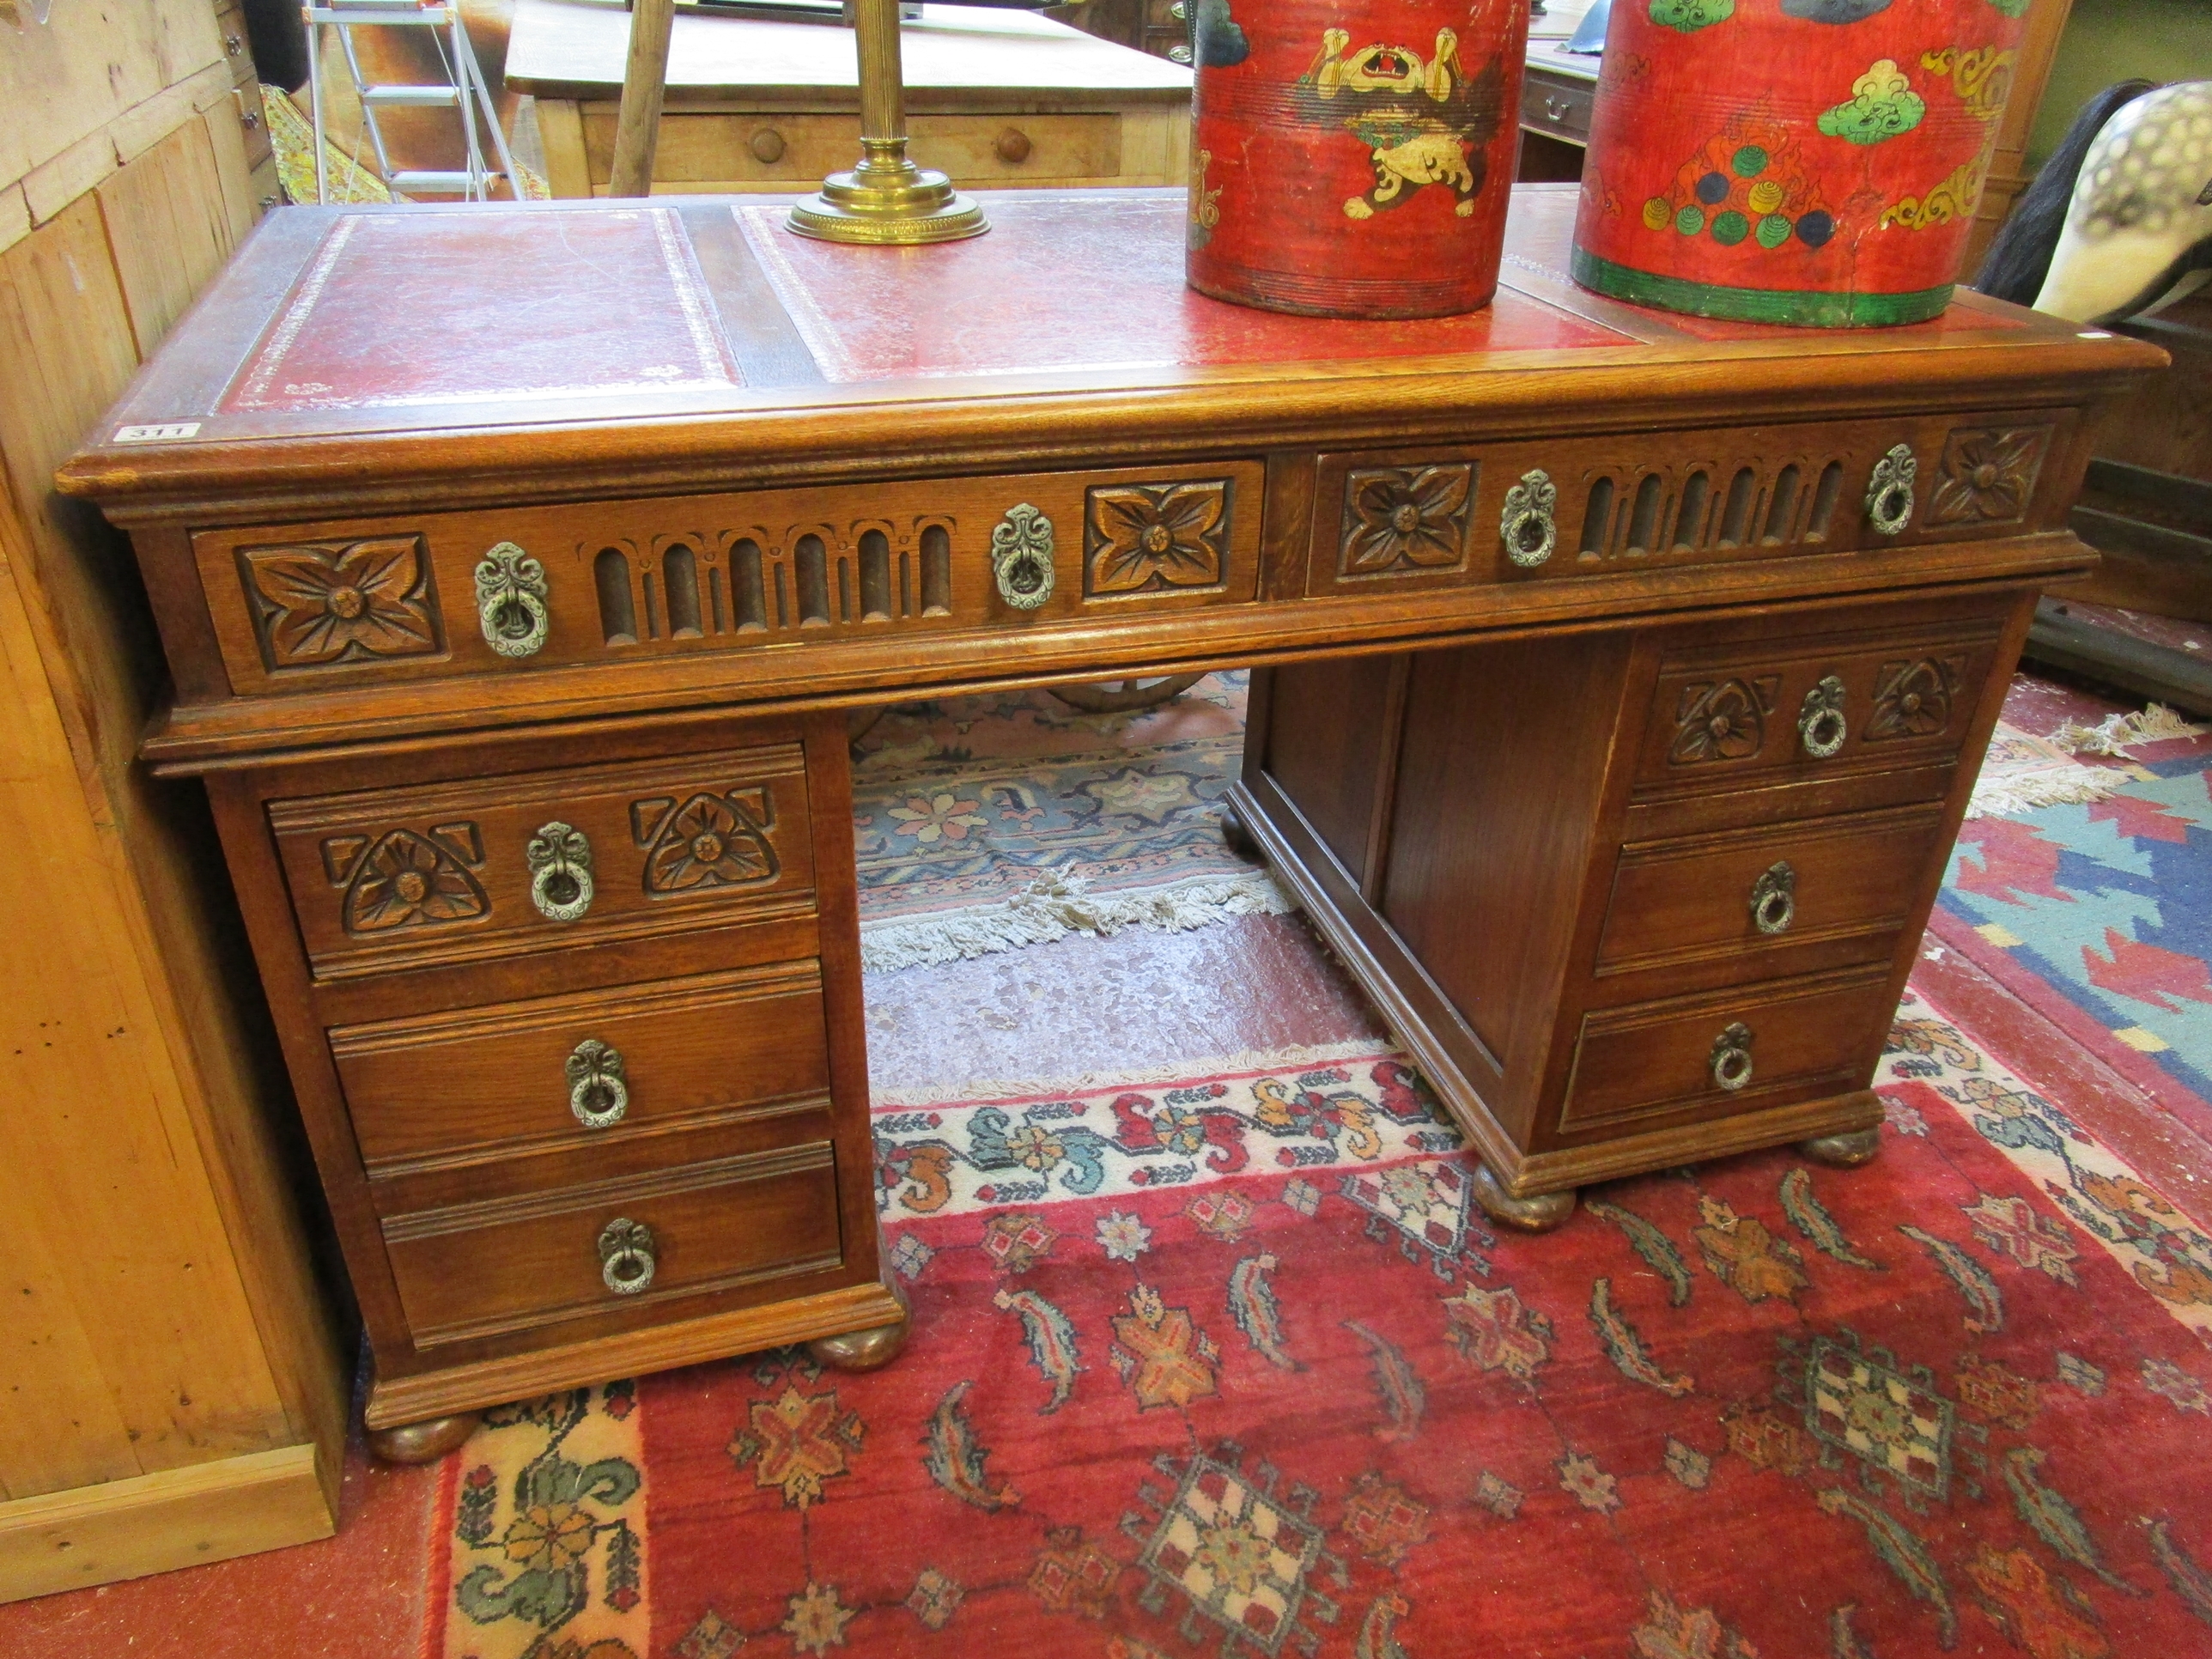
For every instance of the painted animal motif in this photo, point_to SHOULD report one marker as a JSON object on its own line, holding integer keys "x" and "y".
{"x": 1423, "y": 121}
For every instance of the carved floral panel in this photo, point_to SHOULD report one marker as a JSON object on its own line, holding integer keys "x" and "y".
{"x": 1913, "y": 699}
{"x": 324, "y": 604}
{"x": 403, "y": 878}
{"x": 1401, "y": 519}
{"x": 706, "y": 840}
{"x": 1722, "y": 720}
{"x": 1988, "y": 474}
{"x": 1150, "y": 538}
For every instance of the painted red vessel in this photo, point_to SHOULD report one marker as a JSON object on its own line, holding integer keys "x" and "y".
{"x": 1808, "y": 161}
{"x": 1353, "y": 159}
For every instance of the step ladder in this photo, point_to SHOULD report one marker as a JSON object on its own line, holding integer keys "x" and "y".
{"x": 463, "y": 90}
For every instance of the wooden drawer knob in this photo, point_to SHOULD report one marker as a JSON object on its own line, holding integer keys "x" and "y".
{"x": 1013, "y": 147}
{"x": 767, "y": 145}
{"x": 1731, "y": 1059}
{"x": 560, "y": 872}
{"x": 597, "y": 1093}
{"x": 626, "y": 1259}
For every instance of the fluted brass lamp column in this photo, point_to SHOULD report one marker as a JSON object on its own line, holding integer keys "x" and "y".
{"x": 887, "y": 199}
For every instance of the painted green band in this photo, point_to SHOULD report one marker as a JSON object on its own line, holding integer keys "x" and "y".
{"x": 1799, "y": 307}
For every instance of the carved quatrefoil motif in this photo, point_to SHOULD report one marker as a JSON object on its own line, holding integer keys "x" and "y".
{"x": 1722, "y": 720}
{"x": 1988, "y": 476}
{"x": 1400, "y": 519}
{"x": 326, "y": 604}
{"x": 1147, "y": 538}
{"x": 1913, "y": 699}
{"x": 709, "y": 840}
{"x": 405, "y": 879}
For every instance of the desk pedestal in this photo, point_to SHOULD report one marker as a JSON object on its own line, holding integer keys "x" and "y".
{"x": 1634, "y": 899}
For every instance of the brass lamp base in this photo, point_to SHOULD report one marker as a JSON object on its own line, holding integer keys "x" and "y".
{"x": 888, "y": 201}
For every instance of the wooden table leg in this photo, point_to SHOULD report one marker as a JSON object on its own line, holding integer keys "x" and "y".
{"x": 864, "y": 1350}
{"x": 1538, "y": 1214}
{"x": 1845, "y": 1151}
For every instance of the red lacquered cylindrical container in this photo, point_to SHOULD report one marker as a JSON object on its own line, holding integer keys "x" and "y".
{"x": 1352, "y": 158}
{"x": 1807, "y": 161}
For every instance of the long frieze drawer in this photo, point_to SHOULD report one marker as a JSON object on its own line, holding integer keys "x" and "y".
{"x": 579, "y": 1070}
{"x": 438, "y": 594}
{"x": 1728, "y": 716}
{"x": 1758, "y": 896}
{"x": 445, "y": 873}
{"x": 1722, "y": 1054}
{"x": 509, "y": 1264}
{"x": 1615, "y": 505}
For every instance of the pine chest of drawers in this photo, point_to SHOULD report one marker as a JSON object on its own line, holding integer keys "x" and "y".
{"x": 516, "y": 568}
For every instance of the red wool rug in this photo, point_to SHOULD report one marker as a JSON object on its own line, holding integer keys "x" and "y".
{"x": 1227, "y": 1364}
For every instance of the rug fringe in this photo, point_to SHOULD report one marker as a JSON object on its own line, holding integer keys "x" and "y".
{"x": 2115, "y": 733}
{"x": 2008, "y": 796}
{"x": 998, "y": 1091}
{"x": 1052, "y": 906}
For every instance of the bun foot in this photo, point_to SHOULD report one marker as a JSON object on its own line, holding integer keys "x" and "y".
{"x": 861, "y": 1351}
{"x": 1538, "y": 1214}
{"x": 1846, "y": 1152}
{"x": 1239, "y": 839}
{"x": 423, "y": 1443}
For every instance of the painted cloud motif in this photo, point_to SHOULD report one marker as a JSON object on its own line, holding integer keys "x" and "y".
{"x": 1883, "y": 105}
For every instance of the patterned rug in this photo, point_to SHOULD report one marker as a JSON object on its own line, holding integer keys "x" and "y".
{"x": 2088, "y": 894}
{"x": 1230, "y": 1366}
{"x": 985, "y": 823}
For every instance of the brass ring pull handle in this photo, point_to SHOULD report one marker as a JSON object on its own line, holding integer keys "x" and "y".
{"x": 767, "y": 146}
{"x": 560, "y": 872}
{"x": 1731, "y": 1059}
{"x": 1528, "y": 527}
{"x": 1179, "y": 53}
{"x": 1021, "y": 557}
{"x": 1774, "y": 898}
{"x": 1013, "y": 147}
{"x": 510, "y": 601}
{"x": 1889, "y": 495}
{"x": 250, "y": 120}
{"x": 232, "y": 46}
{"x": 626, "y": 1260}
{"x": 1556, "y": 106}
{"x": 1822, "y": 727}
{"x": 597, "y": 1094}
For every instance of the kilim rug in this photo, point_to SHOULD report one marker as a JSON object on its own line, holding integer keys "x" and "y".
{"x": 984, "y": 823}
{"x": 1228, "y": 1364}
{"x": 2094, "y": 907}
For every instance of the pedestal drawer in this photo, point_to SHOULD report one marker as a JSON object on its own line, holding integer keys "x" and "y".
{"x": 501, "y": 866}
{"x": 473, "y": 1270}
{"x": 1728, "y": 1053}
{"x": 579, "y": 1069}
{"x": 1759, "y": 895}
{"x": 1722, "y": 717}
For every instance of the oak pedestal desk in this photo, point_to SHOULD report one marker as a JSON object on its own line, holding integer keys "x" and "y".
{"x": 1623, "y": 680}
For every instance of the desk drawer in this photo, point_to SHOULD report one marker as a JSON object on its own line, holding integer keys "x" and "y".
{"x": 1726, "y": 716}
{"x": 582, "y": 1069}
{"x": 509, "y": 1264}
{"x": 1756, "y": 896}
{"x": 445, "y": 873}
{"x": 303, "y": 607}
{"x": 716, "y": 151}
{"x": 1730, "y": 1052}
{"x": 1554, "y": 104}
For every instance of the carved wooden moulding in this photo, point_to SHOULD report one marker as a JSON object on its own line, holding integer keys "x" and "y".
{"x": 708, "y": 841}
{"x": 758, "y": 581}
{"x": 1913, "y": 699}
{"x": 403, "y": 878}
{"x": 318, "y": 605}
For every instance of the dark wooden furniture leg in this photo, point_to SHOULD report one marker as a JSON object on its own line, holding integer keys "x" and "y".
{"x": 423, "y": 1443}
